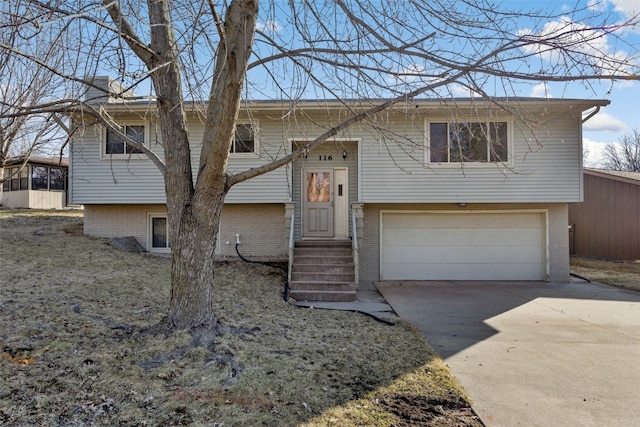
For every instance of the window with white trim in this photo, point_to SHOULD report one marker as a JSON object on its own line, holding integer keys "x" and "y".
{"x": 159, "y": 233}
{"x": 244, "y": 141}
{"x": 479, "y": 142}
{"x": 114, "y": 144}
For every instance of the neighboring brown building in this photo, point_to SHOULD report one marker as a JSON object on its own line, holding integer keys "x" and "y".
{"x": 607, "y": 223}
{"x": 41, "y": 184}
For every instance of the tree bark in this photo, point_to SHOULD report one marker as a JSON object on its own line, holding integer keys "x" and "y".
{"x": 194, "y": 211}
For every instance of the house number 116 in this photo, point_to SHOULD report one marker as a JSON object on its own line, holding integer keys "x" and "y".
{"x": 325, "y": 157}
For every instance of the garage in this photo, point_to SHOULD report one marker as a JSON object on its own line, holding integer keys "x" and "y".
{"x": 468, "y": 245}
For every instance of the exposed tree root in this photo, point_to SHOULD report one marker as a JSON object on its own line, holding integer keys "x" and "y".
{"x": 128, "y": 329}
{"x": 203, "y": 336}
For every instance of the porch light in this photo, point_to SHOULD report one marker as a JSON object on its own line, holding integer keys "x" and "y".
{"x": 344, "y": 154}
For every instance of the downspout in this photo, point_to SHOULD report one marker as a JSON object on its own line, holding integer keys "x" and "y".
{"x": 591, "y": 114}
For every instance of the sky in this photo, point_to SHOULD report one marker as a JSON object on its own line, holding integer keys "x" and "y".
{"x": 611, "y": 123}
{"x": 622, "y": 116}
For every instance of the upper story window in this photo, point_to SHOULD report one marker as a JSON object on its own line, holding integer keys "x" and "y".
{"x": 244, "y": 140}
{"x": 115, "y": 145}
{"x": 479, "y": 142}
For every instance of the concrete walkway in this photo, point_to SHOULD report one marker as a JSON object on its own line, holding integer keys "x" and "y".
{"x": 533, "y": 354}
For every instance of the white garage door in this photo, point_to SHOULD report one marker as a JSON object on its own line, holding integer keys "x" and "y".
{"x": 462, "y": 246}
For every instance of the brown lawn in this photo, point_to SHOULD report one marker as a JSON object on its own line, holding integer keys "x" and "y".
{"x": 622, "y": 274}
{"x": 72, "y": 315}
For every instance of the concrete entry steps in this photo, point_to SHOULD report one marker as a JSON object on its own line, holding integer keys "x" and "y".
{"x": 323, "y": 270}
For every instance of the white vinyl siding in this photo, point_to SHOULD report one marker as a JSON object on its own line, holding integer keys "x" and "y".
{"x": 544, "y": 163}
{"x": 96, "y": 179}
{"x": 463, "y": 246}
{"x": 545, "y": 166}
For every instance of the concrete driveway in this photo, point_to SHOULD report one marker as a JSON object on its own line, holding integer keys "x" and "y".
{"x": 533, "y": 354}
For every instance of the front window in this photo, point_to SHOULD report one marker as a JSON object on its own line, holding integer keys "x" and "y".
{"x": 481, "y": 142}
{"x": 244, "y": 140}
{"x": 116, "y": 145}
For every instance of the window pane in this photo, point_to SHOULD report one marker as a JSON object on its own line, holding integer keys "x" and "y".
{"x": 14, "y": 184}
{"x": 137, "y": 134}
{"x": 499, "y": 145}
{"x": 24, "y": 179}
{"x": 438, "y": 142}
{"x": 243, "y": 140}
{"x": 114, "y": 143}
{"x": 56, "y": 179}
{"x": 318, "y": 187}
{"x": 159, "y": 233}
{"x": 39, "y": 177}
{"x": 244, "y": 146}
{"x": 6, "y": 185}
{"x": 468, "y": 142}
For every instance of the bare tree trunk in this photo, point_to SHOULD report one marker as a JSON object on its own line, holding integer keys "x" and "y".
{"x": 194, "y": 211}
{"x": 192, "y": 226}
{"x": 192, "y": 269}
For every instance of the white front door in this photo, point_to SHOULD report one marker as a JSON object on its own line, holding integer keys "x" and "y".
{"x": 317, "y": 202}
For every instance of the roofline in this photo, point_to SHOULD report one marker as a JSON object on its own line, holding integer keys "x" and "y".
{"x": 55, "y": 161}
{"x": 603, "y": 174}
{"x": 313, "y": 104}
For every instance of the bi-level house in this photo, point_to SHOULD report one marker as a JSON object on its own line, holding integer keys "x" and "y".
{"x": 458, "y": 189}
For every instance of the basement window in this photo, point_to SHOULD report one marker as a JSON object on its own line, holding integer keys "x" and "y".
{"x": 159, "y": 233}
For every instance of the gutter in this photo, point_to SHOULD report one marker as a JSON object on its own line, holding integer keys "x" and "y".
{"x": 591, "y": 114}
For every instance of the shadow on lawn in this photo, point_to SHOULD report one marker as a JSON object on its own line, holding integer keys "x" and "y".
{"x": 59, "y": 286}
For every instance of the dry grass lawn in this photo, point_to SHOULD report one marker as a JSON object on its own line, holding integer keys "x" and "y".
{"x": 71, "y": 314}
{"x": 622, "y": 274}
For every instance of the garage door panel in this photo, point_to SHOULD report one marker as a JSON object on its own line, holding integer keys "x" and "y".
{"x": 456, "y": 236}
{"x": 463, "y": 272}
{"x": 463, "y": 246}
{"x": 462, "y": 255}
{"x": 471, "y": 220}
